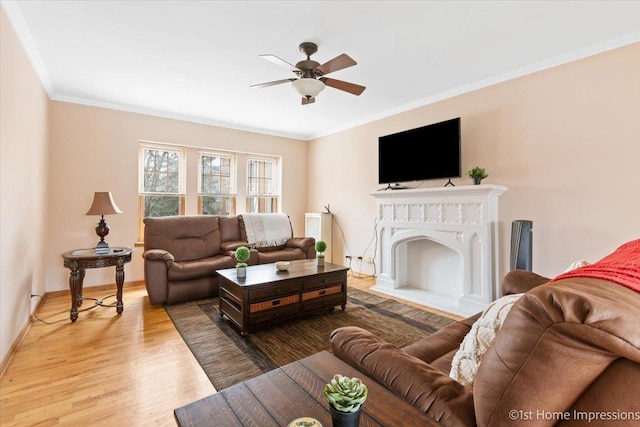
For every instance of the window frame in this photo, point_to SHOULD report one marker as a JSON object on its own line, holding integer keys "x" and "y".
{"x": 233, "y": 178}
{"x": 182, "y": 172}
{"x": 275, "y": 184}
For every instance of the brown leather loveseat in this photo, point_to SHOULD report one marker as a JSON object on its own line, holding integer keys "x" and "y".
{"x": 183, "y": 253}
{"x": 568, "y": 354}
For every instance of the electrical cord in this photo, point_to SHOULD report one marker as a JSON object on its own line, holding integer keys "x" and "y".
{"x": 343, "y": 239}
{"x": 360, "y": 258}
{"x": 351, "y": 258}
{"x": 35, "y": 315}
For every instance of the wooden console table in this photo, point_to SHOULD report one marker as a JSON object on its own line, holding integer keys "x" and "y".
{"x": 267, "y": 295}
{"x": 79, "y": 259}
{"x": 278, "y": 397}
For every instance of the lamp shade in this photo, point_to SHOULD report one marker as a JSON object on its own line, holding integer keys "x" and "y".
{"x": 308, "y": 87}
{"x": 103, "y": 204}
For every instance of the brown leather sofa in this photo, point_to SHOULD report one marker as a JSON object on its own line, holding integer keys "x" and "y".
{"x": 568, "y": 354}
{"x": 183, "y": 253}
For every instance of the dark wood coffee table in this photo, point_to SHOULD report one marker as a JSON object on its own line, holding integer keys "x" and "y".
{"x": 294, "y": 391}
{"x": 267, "y": 295}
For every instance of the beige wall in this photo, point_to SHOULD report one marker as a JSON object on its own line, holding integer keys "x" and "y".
{"x": 565, "y": 141}
{"x": 23, "y": 169}
{"x": 96, "y": 149}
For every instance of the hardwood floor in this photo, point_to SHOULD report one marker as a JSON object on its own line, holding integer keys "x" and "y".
{"x": 104, "y": 369}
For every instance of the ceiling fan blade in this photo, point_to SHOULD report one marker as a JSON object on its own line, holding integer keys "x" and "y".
{"x": 273, "y": 83}
{"x": 345, "y": 86}
{"x": 306, "y": 101}
{"x": 337, "y": 63}
{"x": 280, "y": 62}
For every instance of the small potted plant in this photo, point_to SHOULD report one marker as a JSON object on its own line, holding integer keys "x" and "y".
{"x": 477, "y": 174}
{"x": 321, "y": 246}
{"x": 346, "y": 396}
{"x": 242, "y": 254}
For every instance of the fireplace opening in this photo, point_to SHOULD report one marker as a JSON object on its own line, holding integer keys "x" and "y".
{"x": 429, "y": 266}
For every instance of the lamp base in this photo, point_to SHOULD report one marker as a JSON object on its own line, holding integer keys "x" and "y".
{"x": 102, "y": 248}
{"x": 102, "y": 230}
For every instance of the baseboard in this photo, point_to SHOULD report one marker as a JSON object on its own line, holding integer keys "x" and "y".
{"x": 6, "y": 361}
{"x": 18, "y": 341}
{"x": 108, "y": 287}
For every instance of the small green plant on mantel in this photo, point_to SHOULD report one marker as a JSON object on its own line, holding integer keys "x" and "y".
{"x": 242, "y": 255}
{"x": 477, "y": 174}
{"x": 345, "y": 394}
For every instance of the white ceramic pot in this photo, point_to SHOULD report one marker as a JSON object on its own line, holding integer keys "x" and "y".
{"x": 242, "y": 272}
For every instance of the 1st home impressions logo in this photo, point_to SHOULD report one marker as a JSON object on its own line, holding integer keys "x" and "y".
{"x": 574, "y": 415}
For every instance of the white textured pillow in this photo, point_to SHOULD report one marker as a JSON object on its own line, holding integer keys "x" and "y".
{"x": 464, "y": 365}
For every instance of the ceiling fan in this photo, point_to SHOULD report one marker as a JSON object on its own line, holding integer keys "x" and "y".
{"x": 311, "y": 78}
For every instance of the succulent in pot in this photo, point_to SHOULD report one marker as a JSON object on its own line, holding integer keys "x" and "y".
{"x": 346, "y": 394}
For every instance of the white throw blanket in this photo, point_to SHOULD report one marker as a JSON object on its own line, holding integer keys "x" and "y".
{"x": 264, "y": 230}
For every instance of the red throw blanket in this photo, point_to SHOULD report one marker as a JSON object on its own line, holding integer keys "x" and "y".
{"x": 622, "y": 267}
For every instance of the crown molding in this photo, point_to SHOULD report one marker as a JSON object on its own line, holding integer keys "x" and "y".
{"x": 174, "y": 116}
{"x": 520, "y": 72}
{"x": 24, "y": 36}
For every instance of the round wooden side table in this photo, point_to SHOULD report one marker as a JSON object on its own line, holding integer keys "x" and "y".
{"x": 79, "y": 259}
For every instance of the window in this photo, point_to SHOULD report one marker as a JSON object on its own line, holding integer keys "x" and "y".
{"x": 216, "y": 184}
{"x": 178, "y": 180}
{"x": 261, "y": 185}
{"x": 161, "y": 182}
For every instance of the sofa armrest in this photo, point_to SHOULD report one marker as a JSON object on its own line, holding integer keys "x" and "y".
{"x": 159, "y": 255}
{"x": 436, "y": 394}
{"x": 306, "y": 244}
{"x": 520, "y": 281}
{"x": 157, "y": 263}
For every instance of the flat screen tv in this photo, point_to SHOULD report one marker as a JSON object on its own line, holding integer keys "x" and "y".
{"x": 428, "y": 152}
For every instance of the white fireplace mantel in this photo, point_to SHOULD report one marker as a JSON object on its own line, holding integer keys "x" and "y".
{"x": 439, "y": 246}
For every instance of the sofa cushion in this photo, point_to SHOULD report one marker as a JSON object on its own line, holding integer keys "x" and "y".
{"x": 272, "y": 248}
{"x": 286, "y": 254}
{"x": 231, "y": 246}
{"x": 187, "y": 270}
{"x": 185, "y": 237}
{"x": 229, "y": 228}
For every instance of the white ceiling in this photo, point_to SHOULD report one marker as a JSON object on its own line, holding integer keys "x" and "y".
{"x": 195, "y": 60}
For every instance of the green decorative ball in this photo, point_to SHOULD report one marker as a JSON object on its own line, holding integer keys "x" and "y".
{"x": 242, "y": 253}
{"x": 321, "y": 246}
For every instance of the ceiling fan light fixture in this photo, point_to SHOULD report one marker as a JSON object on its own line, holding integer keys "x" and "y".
{"x": 308, "y": 87}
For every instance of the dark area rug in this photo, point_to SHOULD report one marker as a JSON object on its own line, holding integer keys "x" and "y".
{"x": 228, "y": 359}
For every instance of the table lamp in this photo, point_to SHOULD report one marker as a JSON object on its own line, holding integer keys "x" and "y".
{"x": 102, "y": 205}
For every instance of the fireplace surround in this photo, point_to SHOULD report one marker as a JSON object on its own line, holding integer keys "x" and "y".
{"x": 439, "y": 246}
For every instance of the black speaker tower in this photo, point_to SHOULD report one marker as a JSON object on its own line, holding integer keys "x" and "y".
{"x": 521, "y": 244}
